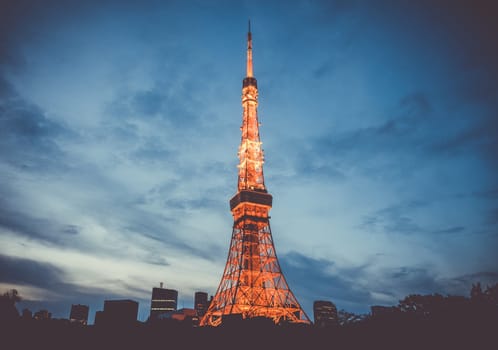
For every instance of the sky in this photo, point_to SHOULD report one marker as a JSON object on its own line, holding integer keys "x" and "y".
{"x": 119, "y": 130}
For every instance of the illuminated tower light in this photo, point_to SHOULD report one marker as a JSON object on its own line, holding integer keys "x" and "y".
{"x": 252, "y": 284}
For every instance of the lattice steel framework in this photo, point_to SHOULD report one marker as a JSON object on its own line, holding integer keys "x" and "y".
{"x": 252, "y": 284}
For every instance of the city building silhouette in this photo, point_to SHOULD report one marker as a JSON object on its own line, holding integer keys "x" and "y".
{"x": 324, "y": 314}
{"x": 162, "y": 301}
{"x": 117, "y": 313}
{"x": 79, "y": 313}
{"x": 27, "y": 314}
{"x": 201, "y": 303}
{"x": 41, "y": 315}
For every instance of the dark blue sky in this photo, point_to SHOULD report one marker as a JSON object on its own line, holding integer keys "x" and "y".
{"x": 119, "y": 128}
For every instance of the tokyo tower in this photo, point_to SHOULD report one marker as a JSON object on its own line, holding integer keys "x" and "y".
{"x": 252, "y": 284}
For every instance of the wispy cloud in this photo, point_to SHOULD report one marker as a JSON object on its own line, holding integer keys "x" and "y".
{"x": 28, "y": 139}
{"x": 394, "y": 219}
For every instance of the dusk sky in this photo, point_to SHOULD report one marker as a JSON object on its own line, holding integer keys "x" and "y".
{"x": 119, "y": 130}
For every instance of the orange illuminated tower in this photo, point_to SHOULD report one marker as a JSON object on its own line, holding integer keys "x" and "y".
{"x": 252, "y": 284}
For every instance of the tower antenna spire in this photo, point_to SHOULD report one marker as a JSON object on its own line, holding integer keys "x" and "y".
{"x": 249, "y": 73}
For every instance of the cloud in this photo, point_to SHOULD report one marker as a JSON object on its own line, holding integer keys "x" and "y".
{"x": 312, "y": 279}
{"x": 356, "y": 288}
{"x": 312, "y": 166}
{"x": 405, "y": 280}
{"x": 173, "y": 102}
{"x": 418, "y": 280}
{"x": 27, "y": 136}
{"x": 166, "y": 237}
{"x": 451, "y": 230}
{"x": 415, "y": 106}
{"x": 33, "y": 227}
{"x": 25, "y": 271}
{"x": 481, "y": 137}
{"x": 391, "y": 147}
{"x": 395, "y": 219}
{"x": 53, "y": 291}
{"x": 486, "y": 278}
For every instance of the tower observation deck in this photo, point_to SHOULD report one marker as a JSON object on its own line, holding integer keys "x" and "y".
{"x": 252, "y": 284}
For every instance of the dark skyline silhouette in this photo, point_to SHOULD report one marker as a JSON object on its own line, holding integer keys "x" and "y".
{"x": 418, "y": 321}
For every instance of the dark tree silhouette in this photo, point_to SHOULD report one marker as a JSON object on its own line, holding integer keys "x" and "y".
{"x": 491, "y": 294}
{"x": 421, "y": 305}
{"x": 12, "y": 295}
{"x": 8, "y": 300}
{"x": 476, "y": 291}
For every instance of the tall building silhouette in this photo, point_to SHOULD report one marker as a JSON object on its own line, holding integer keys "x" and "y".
{"x": 252, "y": 284}
{"x": 117, "y": 313}
{"x": 163, "y": 300}
{"x": 79, "y": 313}
{"x": 27, "y": 314}
{"x": 325, "y": 314}
{"x": 201, "y": 303}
